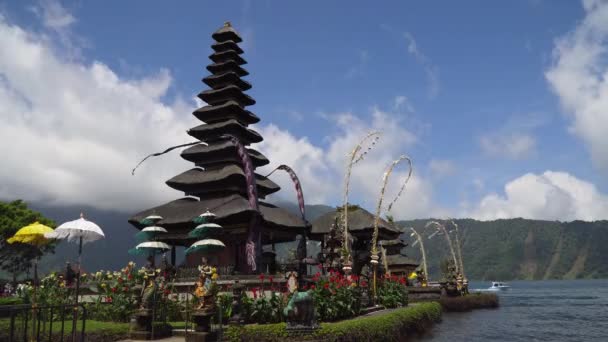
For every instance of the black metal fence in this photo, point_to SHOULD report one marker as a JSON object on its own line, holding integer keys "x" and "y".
{"x": 43, "y": 323}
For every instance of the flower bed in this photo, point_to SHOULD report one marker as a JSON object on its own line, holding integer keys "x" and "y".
{"x": 393, "y": 325}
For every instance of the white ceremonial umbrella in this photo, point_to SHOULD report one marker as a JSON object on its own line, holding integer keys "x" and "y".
{"x": 80, "y": 230}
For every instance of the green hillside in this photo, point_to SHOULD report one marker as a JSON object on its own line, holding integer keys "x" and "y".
{"x": 523, "y": 249}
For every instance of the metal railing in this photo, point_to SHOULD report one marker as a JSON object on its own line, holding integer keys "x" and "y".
{"x": 44, "y": 323}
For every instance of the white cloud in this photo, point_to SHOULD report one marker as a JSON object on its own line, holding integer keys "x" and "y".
{"x": 441, "y": 168}
{"x": 579, "y": 77}
{"x": 432, "y": 71}
{"x": 548, "y": 196}
{"x": 53, "y": 14}
{"x": 508, "y": 145}
{"x": 72, "y": 132}
{"x": 322, "y": 170}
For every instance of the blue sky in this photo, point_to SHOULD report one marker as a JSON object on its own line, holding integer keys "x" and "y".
{"x": 467, "y": 80}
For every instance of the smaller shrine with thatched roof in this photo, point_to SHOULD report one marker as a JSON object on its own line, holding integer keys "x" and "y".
{"x": 396, "y": 261}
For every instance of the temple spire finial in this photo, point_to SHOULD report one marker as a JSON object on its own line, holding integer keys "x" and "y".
{"x": 227, "y": 24}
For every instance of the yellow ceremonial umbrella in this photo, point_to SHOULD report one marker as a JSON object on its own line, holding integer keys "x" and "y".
{"x": 32, "y": 234}
{"x": 413, "y": 275}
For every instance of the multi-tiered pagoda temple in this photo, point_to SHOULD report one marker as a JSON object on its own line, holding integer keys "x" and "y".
{"x": 219, "y": 181}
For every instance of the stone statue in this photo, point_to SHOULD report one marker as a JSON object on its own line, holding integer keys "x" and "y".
{"x": 206, "y": 287}
{"x": 300, "y": 312}
{"x": 148, "y": 294}
{"x": 292, "y": 281}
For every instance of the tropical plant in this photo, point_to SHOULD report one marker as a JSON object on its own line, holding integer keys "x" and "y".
{"x": 392, "y": 292}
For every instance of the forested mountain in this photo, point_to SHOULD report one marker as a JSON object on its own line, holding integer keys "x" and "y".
{"x": 523, "y": 249}
{"x": 501, "y": 249}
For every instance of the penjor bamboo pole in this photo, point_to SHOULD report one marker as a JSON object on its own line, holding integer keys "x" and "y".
{"x": 422, "y": 251}
{"x": 354, "y": 158}
{"x": 459, "y": 248}
{"x": 374, "y": 251}
{"x": 449, "y": 241}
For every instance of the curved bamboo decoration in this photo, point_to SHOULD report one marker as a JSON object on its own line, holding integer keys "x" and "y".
{"x": 459, "y": 248}
{"x": 374, "y": 251}
{"x": 422, "y": 251}
{"x": 449, "y": 241}
{"x": 382, "y": 191}
{"x": 354, "y": 158}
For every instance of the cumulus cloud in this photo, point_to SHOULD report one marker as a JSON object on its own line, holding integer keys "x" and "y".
{"x": 322, "y": 170}
{"x": 511, "y": 145}
{"x": 72, "y": 132}
{"x": 441, "y": 168}
{"x": 578, "y": 76}
{"x": 548, "y": 196}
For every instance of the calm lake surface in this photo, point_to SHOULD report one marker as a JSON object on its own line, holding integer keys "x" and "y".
{"x": 558, "y": 310}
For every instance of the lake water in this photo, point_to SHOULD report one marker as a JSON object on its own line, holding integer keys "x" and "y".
{"x": 557, "y": 310}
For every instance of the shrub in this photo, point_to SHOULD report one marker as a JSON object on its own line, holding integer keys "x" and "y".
{"x": 336, "y": 296}
{"x": 392, "y": 292}
{"x": 391, "y": 326}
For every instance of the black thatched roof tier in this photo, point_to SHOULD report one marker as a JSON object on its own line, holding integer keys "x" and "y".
{"x": 398, "y": 259}
{"x": 232, "y": 210}
{"x": 227, "y": 32}
{"x": 228, "y": 45}
{"x": 222, "y": 95}
{"x": 360, "y": 225}
{"x": 197, "y": 181}
{"x": 226, "y": 111}
{"x": 226, "y": 79}
{"x": 220, "y": 152}
{"x": 227, "y": 55}
{"x": 397, "y": 243}
{"x": 229, "y": 66}
{"x": 215, "y": 131}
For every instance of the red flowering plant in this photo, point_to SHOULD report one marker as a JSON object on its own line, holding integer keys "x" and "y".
{"x": 266, "y": 304}
{"x": 336, "y": 296}
{"x": 392, "y": 291}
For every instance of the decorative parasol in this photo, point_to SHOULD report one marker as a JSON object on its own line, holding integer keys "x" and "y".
{"x": 206, "y": 246}
{"x": 149, "y": 233}
{"x": 205, "y": 217}
{"x": 205, "y": 230}
{"x": 80, "y": 230}
{"x": 149, "y": 248}
{"x": 150, "y": 220}
{"x": 32, "y": 234}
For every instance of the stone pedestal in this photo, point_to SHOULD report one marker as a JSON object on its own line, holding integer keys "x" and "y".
{"x": 141, "y": 325}
{"x": 202, "y": 327}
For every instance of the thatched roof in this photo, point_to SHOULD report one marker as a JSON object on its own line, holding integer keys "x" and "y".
{"x": 226, "y": 46}
{"x": 393, "y": 243}
{"x": 228, "y": 55}
{"x": 226, "y": 32}
{"x": 228, "y": 66}
{"x": 215, "y": 131}
{"x": 220, "y": 152}
{"x": 360, "y": 224}
{"x": 226, "y": 79}
{"x": 229, "y": 210}
{"x": 398, "y": 259}
{"x": 227, "y": 93}
{"x": 197, "y": 181}
{"x": 226, "y": 111}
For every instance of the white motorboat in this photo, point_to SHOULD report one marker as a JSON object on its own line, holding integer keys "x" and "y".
{"x": 498, "y": 286}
